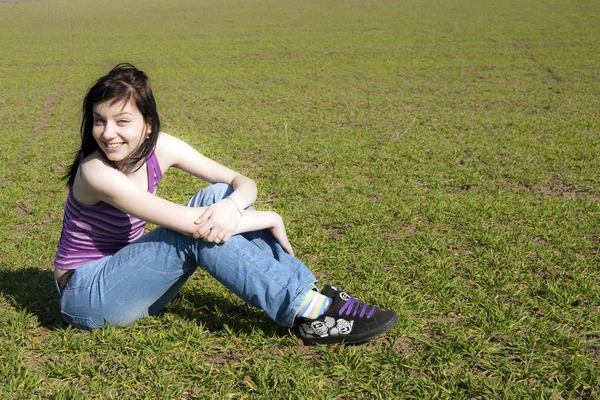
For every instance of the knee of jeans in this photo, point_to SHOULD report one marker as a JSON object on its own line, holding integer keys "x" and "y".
{"x": 211, "y": 194}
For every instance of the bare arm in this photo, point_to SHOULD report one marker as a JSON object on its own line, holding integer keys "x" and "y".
{"x": 218, "y": 222}
{"x": 99, "y": 182}
{"x": 257, "y": 220}
{"x": 112, "y": 187}
{"x": 173, "y": 152}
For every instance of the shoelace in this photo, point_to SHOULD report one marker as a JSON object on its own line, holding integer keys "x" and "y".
{"x": 353, "y": 306}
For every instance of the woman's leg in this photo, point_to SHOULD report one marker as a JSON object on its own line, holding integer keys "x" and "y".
{"x": 145, "y": 275}
{"x": 124, "y": 287}
{"x": 263, "y": 239}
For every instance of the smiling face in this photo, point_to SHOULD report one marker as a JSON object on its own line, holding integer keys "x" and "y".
{"x": 119, "y": 129}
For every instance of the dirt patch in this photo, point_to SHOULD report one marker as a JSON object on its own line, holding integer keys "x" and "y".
{"x": 593, "y": 350}
{"x": 533, "y": 239}
{"x": 335, "y": 232}
{"x": 365, "y": 179}
{"x": 22, "y": 209}
{"x": 555, "y": 187}
{"x": 312, "y": 166}
{"x": 227, "y": 357}
{"x": 60, "y": 168}
{"x": 407, "y": 231}
{"x": 566, "y": 191}
{"x": 504, "y": 156}
{"x": 460, "y": 251}
{"x": 547, "y": 273}
{"x": 471, "y": 283}
{"x": 308, "y": 351}
{"x": 70, "y": 115}
{"x": 47, "y": 108}
{"x": 390, "y": 269}
{"x": 38, "y": 363}
{"x": 166, "y": 117}
{"x": 375, "y": 197}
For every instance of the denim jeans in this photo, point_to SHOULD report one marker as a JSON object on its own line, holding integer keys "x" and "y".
{"x": 144, "y": 276}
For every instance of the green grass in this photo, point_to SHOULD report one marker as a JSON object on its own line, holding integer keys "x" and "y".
{"x": 435, "y": 157}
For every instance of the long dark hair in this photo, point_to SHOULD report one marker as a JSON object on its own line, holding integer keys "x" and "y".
{"x": 123, "y": 83}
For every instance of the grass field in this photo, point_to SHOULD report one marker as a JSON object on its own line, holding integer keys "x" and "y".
{"x": 435, "y": 157}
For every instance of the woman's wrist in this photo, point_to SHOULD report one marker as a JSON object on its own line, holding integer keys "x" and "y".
{"x": 275, "y": 219}
{"x": 244, "y": 193}
{"x": 235, "y": 204}
{"x": 257, "y": 220}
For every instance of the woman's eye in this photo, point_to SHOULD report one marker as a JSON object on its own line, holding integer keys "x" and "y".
{"x": 98, "y": 122}
{"x": 122, "y": 121}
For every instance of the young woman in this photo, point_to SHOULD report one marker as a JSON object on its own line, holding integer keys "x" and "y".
{"x": 108, "y": 272}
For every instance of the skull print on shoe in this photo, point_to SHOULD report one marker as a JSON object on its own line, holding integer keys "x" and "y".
{"x": 347, "y": 321}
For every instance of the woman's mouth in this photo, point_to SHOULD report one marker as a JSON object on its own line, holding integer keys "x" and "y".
{"x": 114, "y": 145}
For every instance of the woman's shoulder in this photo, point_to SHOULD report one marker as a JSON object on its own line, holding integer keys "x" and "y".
{"x": 94, "y": 162}
{"x": 165, "y": 141}
{"x": 94, "y": 169}
{"x": 169, "y": 149}
{"x": 92, "y": 172}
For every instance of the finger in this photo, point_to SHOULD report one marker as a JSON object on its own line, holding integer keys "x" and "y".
{"x": 205, "y": 228}
{"x": 288, "y": 248}
{"x": 204, "y": 216}
{"x": 203, "y": 232}
{"x": 204, "y": 238}
{"x": 219, "y": 239}
{"x": 227, "y": 237}
{"x": 284, "y": 243}
{"x": 213, "y": 235}
{"x": 201, "y": 222}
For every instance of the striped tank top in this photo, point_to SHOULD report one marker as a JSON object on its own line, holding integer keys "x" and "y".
{"x": 92, "y": 232}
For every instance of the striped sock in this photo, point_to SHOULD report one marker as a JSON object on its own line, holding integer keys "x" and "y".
{"x": 314, "y": 305}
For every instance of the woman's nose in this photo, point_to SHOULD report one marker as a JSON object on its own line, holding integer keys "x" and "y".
{"x": 109, "y": 131}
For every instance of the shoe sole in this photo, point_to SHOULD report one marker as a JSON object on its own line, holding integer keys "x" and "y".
{"x": 353, "y": 339}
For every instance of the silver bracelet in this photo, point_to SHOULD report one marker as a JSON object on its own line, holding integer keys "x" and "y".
{"x": 236, "y": 206}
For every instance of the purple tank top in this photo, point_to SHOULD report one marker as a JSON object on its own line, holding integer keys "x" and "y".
{"x": 92, "y": 232}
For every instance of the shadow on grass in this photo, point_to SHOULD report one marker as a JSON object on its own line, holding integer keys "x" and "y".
{"x": 32, "y": 290}
{"x": 215, "y": 312}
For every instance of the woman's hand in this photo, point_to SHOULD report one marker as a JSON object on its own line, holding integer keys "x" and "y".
{"x": 218, "y": 222}
{"x": 222, "y": 220}
{"x": 278, "y": 231}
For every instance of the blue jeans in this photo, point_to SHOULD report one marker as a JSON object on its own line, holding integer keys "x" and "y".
{"x": 144, "y": 276}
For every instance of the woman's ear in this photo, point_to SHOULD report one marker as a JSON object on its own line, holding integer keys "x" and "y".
{"x": 148, "y": 129}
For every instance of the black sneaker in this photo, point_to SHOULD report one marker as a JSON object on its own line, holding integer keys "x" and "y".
{"x": 346, "y": 321}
